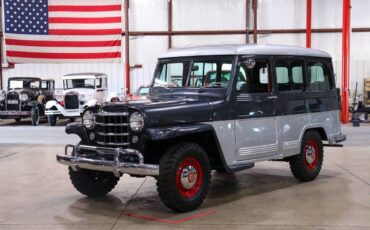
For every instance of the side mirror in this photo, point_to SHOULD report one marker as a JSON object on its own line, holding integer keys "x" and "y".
{"x": 194, "y": 68}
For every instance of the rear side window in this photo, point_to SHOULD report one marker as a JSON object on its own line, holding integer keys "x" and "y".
{"x": 289, "y": 75}
{"x": 319, "y": 77}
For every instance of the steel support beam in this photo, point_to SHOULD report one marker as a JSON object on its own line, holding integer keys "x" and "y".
{"x": 308, "y": 23}
{"x": 247, "y": 20}
{"x": 346, "y": 59}
{"x": 169, "y": 5}
{"x": 127, "y": 47}
{"x": 255, "y": 21}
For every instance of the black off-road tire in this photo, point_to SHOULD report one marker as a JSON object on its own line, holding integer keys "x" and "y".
{"x": 93, "y": 183}
{"x": 18, "y": 119}
{"x": 170, "y": 187}
{"x": 35, "y": 116}
{"x": 302, "y": 168}
{"x": 52, "y": 120}
{"x": 72, "y": 119}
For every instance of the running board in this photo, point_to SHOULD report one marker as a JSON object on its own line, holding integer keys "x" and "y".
{"x": 241, "y": 167}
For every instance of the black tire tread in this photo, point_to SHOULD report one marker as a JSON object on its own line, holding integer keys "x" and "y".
{"x": 82, "y": 182}
{"x": 167, "y": 189}
{"x": 297, "y": 165}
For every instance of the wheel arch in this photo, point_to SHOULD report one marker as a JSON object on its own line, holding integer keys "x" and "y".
{"x": 203, "y": 135}
{"x": 319, "y": 130}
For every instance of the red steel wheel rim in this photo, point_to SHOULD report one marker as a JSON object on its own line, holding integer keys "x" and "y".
{"x": 189, "y": 177}
{"x": 311, "y": 154}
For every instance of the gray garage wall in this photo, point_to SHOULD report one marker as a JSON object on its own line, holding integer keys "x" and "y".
{"x": 151, "y": 15}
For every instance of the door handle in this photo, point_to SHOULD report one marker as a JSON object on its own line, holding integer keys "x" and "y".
{"x": 272, "y": 97}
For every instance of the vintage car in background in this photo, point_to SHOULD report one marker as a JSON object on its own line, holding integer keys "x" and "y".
{"x": 80, "y": 90}
{"x": 26, "y": 97}
{"x": 141, "y": 93}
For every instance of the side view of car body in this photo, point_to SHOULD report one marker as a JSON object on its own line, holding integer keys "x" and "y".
{"x": 211, "y": 108}
{"x": 26, "y": 97}
{"x": 79, "y": 91}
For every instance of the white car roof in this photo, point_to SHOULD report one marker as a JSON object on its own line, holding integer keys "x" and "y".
{"x": 245, "y": 50}
{"x": 84, "y": 76}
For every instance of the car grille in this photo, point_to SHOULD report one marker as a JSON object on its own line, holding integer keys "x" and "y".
{"x": 71, "y": 102}
{"x": 111, "y": 129}
{"x": 13, "y": 96}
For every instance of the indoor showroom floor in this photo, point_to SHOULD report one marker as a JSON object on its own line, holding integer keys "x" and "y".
{"x": 35, "y": 191}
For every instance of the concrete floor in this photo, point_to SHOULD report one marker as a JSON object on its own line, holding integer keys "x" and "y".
{"x": 35, "y": 191}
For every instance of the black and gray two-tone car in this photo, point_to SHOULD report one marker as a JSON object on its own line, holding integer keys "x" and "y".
{"x": 211, "y": 108}
{"x": 25, "y": 97}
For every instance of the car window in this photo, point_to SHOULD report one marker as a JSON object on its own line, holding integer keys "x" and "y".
{"x": 210, "y": 74}
{"x": 98, "y": 83}
{"x": 254, "y": 77}
{"x": 319, "y": 77}
{"x": 44, "y": 85}
{"x": 289, "y": 75}
{"x": 170, "y": 75}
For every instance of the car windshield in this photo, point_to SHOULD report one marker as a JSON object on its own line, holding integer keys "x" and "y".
{"x": 24, "y": 83}
{"x": 143, "y": 91}
{"x": 194, "y": 74}
{"x": 79, "y": 83}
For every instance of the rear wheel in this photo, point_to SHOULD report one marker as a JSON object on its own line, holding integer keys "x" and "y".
{"x": 93, "y": 183}
{"x": 52, "y": 120}
{"x": 307, "y": 165}
{"x": 184, "y": 177}
{"x": 35, "y": 116}
{"x": 18, "y": 119}
{"x": 72, "y": 119}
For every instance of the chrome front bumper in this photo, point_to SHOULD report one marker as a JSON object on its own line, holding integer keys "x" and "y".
{"x": 15, "y": 113}
{"x": 116, "y": 166}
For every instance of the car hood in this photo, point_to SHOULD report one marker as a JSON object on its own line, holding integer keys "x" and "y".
{"x": 171, "y": 109}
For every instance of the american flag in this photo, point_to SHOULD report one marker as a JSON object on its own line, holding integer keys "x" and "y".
{"x": 60, "y": 31}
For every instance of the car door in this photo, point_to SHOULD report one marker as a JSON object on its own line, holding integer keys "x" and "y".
{"x": 100, "y": 90}
{"x": 255, "y": 123}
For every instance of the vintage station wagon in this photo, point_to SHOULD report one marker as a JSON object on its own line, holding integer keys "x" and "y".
{"x": 211, "y": 108}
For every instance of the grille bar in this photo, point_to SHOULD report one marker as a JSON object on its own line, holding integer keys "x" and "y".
{"x": 112, "y": 129}
{"x": 112, "y": 124}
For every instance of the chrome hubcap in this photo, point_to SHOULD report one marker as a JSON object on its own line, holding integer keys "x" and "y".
{"x": 189, "y": 176}
{"x": 310, "y": 154}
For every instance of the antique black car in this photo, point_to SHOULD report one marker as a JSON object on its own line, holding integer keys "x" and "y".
{"x": 25, "y": 97}
{"x": 218, "y": 108}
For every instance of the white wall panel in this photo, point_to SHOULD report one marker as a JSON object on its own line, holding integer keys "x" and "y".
{"x": 188, "y": 41}
{"x": 209, "y": 14}
{"x": 150, "y": 15}
{"x": 281, "y": 14}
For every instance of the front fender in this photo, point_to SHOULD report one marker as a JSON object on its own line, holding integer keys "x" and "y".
{"x": 78, "y": 129}
{"x": 163, "y": 133}
{"x": 91, "y": 103}
{"x": 50, "y": 104}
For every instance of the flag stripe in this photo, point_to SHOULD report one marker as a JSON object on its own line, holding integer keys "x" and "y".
{"x": 63, "y": 55}
{"x": 102, "y": 14}
{"x": 67, "y": 50}
{"x": 85, "y": 8}
{"x": 62, "y": 38}
{"x": 85, "y": 32}
{"x": 85, "y": 20}
{"x": 18, "y": 60}
{"x": 84, "y": 2}
{"x": 62, "y": 43}
{"x": 87, "y": 26}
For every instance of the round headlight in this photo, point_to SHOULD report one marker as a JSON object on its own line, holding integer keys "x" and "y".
{"x": 88, "y": 119}
{"x": 2, "y": 97}
{"x": 59, "y": 98}
{"x": 81, "y": 97}
{"x": 136, "y": 122}
{"x": 24, "y": 97}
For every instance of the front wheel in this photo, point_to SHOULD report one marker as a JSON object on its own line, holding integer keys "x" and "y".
{"x": 52, "y": 120}
{"x": 18, "y": 119}
{"x": 35, "y": 116}
{"x": 93, "y": 183}
{"x": 184, "y": 177}
{"x": 306, "y": 166}
{"x": 72, "y": 119}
